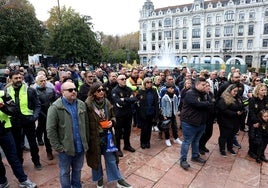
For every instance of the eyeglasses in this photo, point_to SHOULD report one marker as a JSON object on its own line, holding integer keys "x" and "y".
{"x": 122, "y": 79}
{"x": 149, "y": 82}
{"x": 100, "y": 90}
{"x": 70, "y": 90}
{"x": 42, "y": 80}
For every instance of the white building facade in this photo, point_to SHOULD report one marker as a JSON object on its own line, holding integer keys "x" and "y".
{"x": 205, "y": 30}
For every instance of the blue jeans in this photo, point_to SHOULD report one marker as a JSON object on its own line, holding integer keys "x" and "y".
{"x": 8, "y": 145}
{"x": 70, "y": 179}
{"x": 112, "y": 169}
{"x": 191, "y": 135}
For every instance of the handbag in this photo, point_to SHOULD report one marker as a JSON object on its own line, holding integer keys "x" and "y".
{"x": 165, "y": 124}
{"x": 110, "y": 143}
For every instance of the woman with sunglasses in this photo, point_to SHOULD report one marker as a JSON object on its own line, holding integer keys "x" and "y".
{"x": 101, "y": 138}
{"x": 148, "y": 108}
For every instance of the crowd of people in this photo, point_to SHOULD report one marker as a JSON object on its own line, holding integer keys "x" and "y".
{"x": 87, "y": 113}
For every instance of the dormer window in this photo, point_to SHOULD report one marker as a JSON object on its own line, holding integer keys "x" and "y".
{"x": 185, "y": 9}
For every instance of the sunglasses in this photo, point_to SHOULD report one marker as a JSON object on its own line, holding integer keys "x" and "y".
{"x": 100, "y": 90}
{"x": 257, "y": 80}
{"x": 122, "y": 79}
{"x": 42, "y": 80}
{"x": 149, "y": 82}
{"x": 70, "y": 90}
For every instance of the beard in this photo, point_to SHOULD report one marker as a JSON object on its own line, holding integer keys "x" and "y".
{"x": 17, "y": 84}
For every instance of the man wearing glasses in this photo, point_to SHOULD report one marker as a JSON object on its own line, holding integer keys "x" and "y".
{"x": 123, "y": 97}
{"x": 67, "y": 130}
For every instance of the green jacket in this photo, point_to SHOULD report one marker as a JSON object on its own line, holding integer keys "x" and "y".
{"x": 59, "y": 127}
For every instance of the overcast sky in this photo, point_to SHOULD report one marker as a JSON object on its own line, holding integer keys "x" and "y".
{"x": 114, "y": 17}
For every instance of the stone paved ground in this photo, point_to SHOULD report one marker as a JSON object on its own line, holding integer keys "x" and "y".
{"x": 157, "y": 167}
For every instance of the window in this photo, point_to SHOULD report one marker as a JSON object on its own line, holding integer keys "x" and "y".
{"x": 184, "y": 34}
{"x": 239, "y": 44}
{"x": 217, "y": 32}
{"x": 228, "y": 30}
{"x": 208, "y": 45}
{"x": 144, "y": 47}
{"x": 241, "y": 16}
{"x": 265, "y": 43}
{"x": 229, "y": 15}
{"x": 196, "y": 33}
{"x": 167, "y": 34}
{"x": 266, "y": 12}
{"x": 217, "y": 45}
{"x": 240, "y": 30}
{"x": 177, "y": 34}
{"x": 209, "y": 19}
{"x": 177, "y": 46}
{"x": 250, "y": 44}
{"x": 250, "y": 29}
{"x": 144, "y": 26}
{"x": 196, "y": 20}
{"x": 227, "y": 44}
{"x": 160, "y": 23}
{"x": 177, "y": 21}
{"x": 195, "y": 45}
{"x": 184, "y": 45}
{"x": 265, "y": 29}
{"x": 167, "y": 22}
{"x": 160, "y": 36}
{"x": 218, "y": 18}
{"x": 208, "y": 32}
{"x": 251, "y": 14}
{"x": 153, "y": 24}
{"x": 144, "y": 36}
{"x": 153, "y": 46}
{"x": 153, "y": 36}
{"x": 185, "y": 21}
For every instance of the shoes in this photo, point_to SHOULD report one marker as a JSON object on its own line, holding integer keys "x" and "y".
{"x": 202, "y": 152}
{"x": 264, "y": 159}
{"x": 38, "y": 166}
{"x": 143, "y": 146}
{"x": 223, "y": 153}
{"x": 178, "y": 141}
{"x": 123, "y": 184}
{"x": 232, "y": 152}
{"x": 4, "y": 185}
{"x": 40, "y": 142}
{"x": 198, "y": 160}
{"x": 205, "y": 149}
{"x": 26, "y": 149}
{"x": 50, "y": 156}
{"x": 129, "y": 148}
{"x": 148, "y": 145}
{"x": 237, "y": 145}
{"x": 155, "y": 129}
{"x": 119, "y": 153}
{"x": 27, "y": 184}
{"x": 252, "y": 155}
{"x": 258, "y": 160}
{"x": 168, "y": 143}
{"x": 184, "y": 165}
{"x": 100, "y": 183}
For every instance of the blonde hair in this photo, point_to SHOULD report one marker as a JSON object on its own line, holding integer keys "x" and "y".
{"x": 257, "y": 89}
{"x": 226, "y": 95}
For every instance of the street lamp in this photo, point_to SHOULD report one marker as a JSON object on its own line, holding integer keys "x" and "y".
{"x": 266, "y": 64}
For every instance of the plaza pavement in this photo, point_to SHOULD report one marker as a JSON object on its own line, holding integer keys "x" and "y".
{"x": 158, "y": 167}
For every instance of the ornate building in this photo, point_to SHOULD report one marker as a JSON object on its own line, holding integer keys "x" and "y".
{"x": 203, "y": 31}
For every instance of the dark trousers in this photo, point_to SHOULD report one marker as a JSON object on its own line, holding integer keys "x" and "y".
{"x": 9, "y": 148}
{"x": 146, "y": 130}
{"x": 207, "y": 134}
{"x": 226, "y": 137}
{"x": 174, "y": 128}
{"x": 29, "y": 130}
{"x": 252, "y": 145}
{"x": 123, "y": 127}
{"x": 40, "y": 130}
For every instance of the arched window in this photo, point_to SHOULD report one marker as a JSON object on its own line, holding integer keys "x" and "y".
{"x": 229, "y": 15}
{"x": 167, "y": 22}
